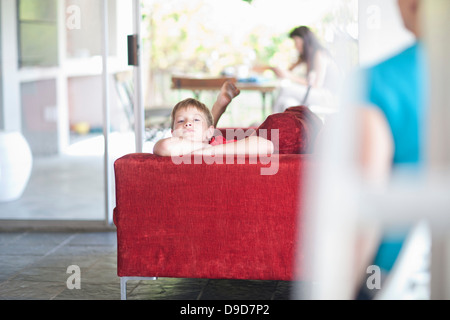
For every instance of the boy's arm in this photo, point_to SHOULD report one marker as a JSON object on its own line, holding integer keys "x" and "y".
{"x": 252, "y": 145}
{"x": 175, "y": 146}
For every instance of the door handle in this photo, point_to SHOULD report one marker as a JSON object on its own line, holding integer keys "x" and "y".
{"x": 133, "y": 50}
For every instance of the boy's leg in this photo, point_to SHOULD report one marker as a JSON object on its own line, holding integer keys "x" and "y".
{"x": 226, "y": 94}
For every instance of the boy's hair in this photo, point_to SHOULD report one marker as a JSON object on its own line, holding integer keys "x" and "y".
{"x": 190, "y": 102}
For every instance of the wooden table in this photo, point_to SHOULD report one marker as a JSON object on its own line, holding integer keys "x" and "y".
{"x": 197, "y": 85}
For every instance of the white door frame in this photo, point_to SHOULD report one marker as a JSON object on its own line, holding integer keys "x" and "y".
{"x": 138, "y": 102}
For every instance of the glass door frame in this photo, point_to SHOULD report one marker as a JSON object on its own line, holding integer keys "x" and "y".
{"x": 108, "y": 174}
{"x": 137, "y": 101}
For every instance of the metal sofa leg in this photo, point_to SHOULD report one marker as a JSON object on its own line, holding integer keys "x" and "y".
{"x": 123, "y": 288}
{"x": 123, "y": 284}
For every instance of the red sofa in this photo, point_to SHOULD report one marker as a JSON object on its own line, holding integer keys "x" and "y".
{"x": 210, "y": 220}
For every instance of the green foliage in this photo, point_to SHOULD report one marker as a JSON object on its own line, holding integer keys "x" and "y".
{"x": 207, "y": 36}
{"x": 195, "y": 36}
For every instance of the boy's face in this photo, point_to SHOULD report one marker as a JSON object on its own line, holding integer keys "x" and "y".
{"x": 189, "y": 123}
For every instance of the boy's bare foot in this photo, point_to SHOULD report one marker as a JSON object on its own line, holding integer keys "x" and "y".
{"x": 227, "y": 93}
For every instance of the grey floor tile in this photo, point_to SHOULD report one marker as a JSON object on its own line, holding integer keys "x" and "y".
{"x": 64, "y": 261}
{"x": 88, "y": 251}
{"x": 35, "y": 249}
{"x": 16, "y": 262}
{"x": 42, "y": 274}
{"x": 99, "y": 276}
{"x": 55, "y": 238}
{"x": 107, "y": 262}
{"x": 10, "y": 237}
{"x": 90, "y": 291}
{"x": 30, "y": 290}
{"x": 167, "y": 289}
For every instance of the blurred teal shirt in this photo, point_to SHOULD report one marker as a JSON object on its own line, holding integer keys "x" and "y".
{"x": 398, "y": 87}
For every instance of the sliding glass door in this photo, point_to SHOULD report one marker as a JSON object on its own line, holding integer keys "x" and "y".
{"x": 69, "y": 98}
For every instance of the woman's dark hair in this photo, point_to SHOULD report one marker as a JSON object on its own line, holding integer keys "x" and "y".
{"x": 310, "y": 45}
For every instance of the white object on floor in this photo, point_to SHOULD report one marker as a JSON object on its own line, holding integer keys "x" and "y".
{"x": 16, "y": 162}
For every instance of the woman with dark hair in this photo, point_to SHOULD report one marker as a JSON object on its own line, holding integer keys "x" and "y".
{"x": 316, "y": 82}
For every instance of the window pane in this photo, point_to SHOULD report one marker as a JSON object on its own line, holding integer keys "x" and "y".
{"x": 38, "y": 44}
{"x": 42, "y": 10}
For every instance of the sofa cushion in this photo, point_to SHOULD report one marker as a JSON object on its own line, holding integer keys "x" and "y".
{"x": 298, "y": 128}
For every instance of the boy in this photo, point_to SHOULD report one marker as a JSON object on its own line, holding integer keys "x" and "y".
{"x": 193, "y": 127}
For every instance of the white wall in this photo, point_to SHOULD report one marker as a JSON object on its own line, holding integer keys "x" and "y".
{"x": 381, "y": 31}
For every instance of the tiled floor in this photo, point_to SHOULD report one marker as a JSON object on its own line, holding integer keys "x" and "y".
{"x": 34, "y": 266}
